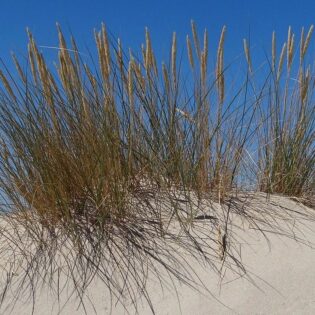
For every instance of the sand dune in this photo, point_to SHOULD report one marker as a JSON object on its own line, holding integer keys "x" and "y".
{"x": 280, "y": 279}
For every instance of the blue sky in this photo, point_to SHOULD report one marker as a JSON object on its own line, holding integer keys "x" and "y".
{"x": 127, "y": 20}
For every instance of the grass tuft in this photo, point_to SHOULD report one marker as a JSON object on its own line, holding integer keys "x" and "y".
{"x": 103, "y": 169}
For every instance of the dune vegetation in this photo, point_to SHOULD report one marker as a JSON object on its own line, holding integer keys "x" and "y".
{"x": 105, "y": 162}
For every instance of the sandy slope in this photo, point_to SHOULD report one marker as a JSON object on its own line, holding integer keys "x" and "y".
{"x": 282, "y": 272}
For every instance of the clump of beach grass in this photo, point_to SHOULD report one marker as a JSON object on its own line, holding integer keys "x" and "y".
{"x": 103, "y": 169}
{"x": 286, "y": 136}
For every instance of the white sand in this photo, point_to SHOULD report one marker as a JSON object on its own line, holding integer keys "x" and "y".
{"x": 284, "y": 276}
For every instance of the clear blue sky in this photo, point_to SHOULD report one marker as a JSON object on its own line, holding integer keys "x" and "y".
{"x": 127, "y": 19}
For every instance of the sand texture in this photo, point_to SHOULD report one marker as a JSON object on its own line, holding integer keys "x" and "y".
{"x": 279, "y": 278}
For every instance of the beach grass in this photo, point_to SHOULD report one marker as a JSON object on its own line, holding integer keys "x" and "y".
{"x": 105, "y": 167}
